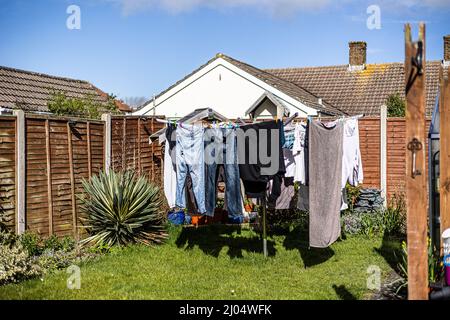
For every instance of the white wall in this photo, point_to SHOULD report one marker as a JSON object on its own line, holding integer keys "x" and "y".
{"x": 220, "y": 86}
{"x": 220, "y": 89}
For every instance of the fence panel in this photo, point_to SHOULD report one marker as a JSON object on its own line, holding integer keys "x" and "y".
{"x": 369, "y": 141}
{"x": 131, "y": 147}
{"x": 8, "y": 169}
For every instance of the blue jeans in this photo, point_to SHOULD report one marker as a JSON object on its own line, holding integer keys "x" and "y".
{"x": 190, "y": 160}
{"x": 220, "y": 149}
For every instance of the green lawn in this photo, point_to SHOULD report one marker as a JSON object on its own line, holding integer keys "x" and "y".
{"x": 221, "y": 262}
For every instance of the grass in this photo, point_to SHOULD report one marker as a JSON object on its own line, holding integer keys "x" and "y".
{"x": 220, "y": 262}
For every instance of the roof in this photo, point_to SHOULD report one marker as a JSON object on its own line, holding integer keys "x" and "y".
{"x": 201, "y": 114}
{"x": 291, "y": 89}
{"x": 266, "y": 95}
{"x": 31, "y": 91}
{"x": 359, "y": 92}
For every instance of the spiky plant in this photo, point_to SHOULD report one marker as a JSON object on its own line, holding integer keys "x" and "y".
{"x": 122, "y": 208}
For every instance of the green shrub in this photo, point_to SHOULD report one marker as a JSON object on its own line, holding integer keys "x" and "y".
{"x": 393, "y": 219}
{"x": 352, "y": 195}
{"x": 121, "y": 208}
{"x": 36, "y": 245}
{"x": 15, "y": 263}
{"x": 390, "y": 221}
{"x": 67, "y": 244}
{"x": 8, "y": 238}
{"x": 51, "y": 259}
{"x": 395, "y": 105}
{"x": 29, "y": 255}
{"x": 87, "y": 106}
{"x": 435, "y": 265}
{"x": 32, "y": 243}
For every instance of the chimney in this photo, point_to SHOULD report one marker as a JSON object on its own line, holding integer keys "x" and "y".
{"x": 357, "y": 55}
{"x": 447, "y": 49}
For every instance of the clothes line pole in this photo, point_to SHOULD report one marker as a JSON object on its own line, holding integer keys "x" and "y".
{"x": 264, "y": 226}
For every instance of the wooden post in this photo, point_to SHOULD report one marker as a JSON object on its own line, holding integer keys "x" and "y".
{"x": 72, "y": 182}
{"x": 106, "y": 117}
{"x": 20, "y": 171}
{"x": 49, "y": 177}
{"x": 416, "y": 183}
{"x": 153, "y": 150}
{"x": 124, "y": 144}
{"x": 444, "y": 154}
{"x": 89, "y": 151}
{"x": 139, "y": 145}
{"x": 383, "y": 153}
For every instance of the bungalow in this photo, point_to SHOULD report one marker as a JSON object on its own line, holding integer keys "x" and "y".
{"x": 236, "y": 89}
{"x": 31, "y": 91}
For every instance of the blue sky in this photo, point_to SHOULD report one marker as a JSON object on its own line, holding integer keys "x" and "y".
{"x": 140, "y": 47}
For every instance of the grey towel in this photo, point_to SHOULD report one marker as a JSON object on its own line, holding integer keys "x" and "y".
{"x": 325, "y": 173}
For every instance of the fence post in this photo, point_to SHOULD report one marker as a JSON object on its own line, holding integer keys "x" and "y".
{"x": 444, "y": 155}
{"x": 72, "y": 181}
{"x": 106, "y": 117}
{"x": 383, "y": 153}
{"x": 20, "y": 171}
{"x": 49, "y": 176}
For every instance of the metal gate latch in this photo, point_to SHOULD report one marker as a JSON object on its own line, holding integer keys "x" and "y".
{"x": 414, "y": 145}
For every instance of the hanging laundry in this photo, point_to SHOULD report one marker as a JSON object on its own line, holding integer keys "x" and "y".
{"x": 352, "y": 169}
{"x": 300, "y": 153}
{"x": 221, "y": 151}
{"x": 325, "y": 176}
{"x": 190, "y": 160}
{"x": 281, "y": 188}
{"x": 288, "y": 155}
{"x": 289, "y": 136}
{"x": 286, "y": 199}
{"x": 303, "y": 198}
{"x": 260, "y": 154}
{"x": 170, "y": 175}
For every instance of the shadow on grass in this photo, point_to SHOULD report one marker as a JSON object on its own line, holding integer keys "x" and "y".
{"x": 212, "y": 239}
{"x": 390, "y": 250}
{"x": 343, "y": 293}
{"x": 298, "y": 239}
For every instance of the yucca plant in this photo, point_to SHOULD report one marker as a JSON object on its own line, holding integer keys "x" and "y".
{"x": 122, "y": 208}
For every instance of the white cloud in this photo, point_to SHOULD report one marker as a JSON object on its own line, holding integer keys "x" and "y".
{"x": 272, "y": 7}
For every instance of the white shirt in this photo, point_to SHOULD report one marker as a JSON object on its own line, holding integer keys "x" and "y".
{"x": 298, "y": 151}
{"x": 352, "y": 170}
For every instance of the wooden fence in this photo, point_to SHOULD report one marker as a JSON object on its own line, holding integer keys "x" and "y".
{"x": 8, "y": 168}
{"x": 58, "y": 153}
{"x": 370, "y": 142}
{"x": 132, "y": 148}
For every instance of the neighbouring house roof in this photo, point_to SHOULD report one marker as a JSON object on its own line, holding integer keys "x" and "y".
{"x": 30, "y": 91}
{"x": 294, "y": 90}
{"x": 291, "y": 89}
{"x": 359, "y": 92}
